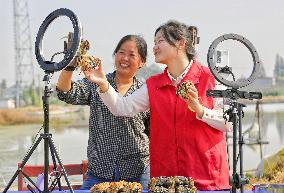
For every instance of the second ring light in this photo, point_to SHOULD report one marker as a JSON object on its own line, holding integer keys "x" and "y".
{"x": 69, "y": 55}
{"x": 212, "y": 62}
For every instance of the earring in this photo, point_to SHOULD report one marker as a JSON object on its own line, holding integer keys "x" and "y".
{"x": 141, "y": 65}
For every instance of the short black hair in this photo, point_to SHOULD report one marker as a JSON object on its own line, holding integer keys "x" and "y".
{"x": 140, "y": 43}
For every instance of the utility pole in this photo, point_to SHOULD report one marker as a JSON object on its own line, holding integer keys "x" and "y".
{"x": 23, "y": 49}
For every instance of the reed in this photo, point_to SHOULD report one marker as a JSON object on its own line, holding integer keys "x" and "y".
{"x": 17, "y": 116}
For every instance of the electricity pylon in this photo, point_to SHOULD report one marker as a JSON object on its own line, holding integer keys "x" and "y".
{"x": 23, "y": 49}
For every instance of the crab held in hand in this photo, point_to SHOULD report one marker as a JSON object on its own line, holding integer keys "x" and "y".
{"x": 182, "y": 91}
{"x": 84, "y": 61}
{"x": 183, "y": 88}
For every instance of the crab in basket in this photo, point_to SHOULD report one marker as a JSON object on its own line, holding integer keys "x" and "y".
{"x": 84, "y": 61}
{"x": 171, "y": 184}
{"x": 117, "y": 187}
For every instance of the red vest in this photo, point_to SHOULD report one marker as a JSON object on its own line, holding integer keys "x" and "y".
{"x": 180, "y": 144}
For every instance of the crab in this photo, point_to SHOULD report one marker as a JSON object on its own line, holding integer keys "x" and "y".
{"x": 182, "y": 91}
{"x": 173, "y": 184}
{"x": 135, "y": 187}
{"x": 84, "y": 61}
{"x": 183, "y": 88}
{"x": 117, "y": 187}
{"x": 100, "y": 188}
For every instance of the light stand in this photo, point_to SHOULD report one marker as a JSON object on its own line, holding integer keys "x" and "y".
{"x": 235, "y": 111}
{"x": 48, "y": 145}
{"x": 49, "y": 68}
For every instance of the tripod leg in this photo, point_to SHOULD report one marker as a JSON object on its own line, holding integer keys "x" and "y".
{"x": 24, "y": 161}
{"x": 55, "y": 167}
{"x": 242, "y": 178}
{"x": 234, "y": 179}
{"x": 31, "y": 181}
{"x": 228, "y": 150}
{"x": 61, "y": 165}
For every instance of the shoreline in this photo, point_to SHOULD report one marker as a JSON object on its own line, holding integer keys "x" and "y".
{"x": 69, "y": 114}
{"x": 59, "y": 115}
{"x": 264, "y": 100}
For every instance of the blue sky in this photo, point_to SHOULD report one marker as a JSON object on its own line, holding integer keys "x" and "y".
{"x": 105, "y": 22}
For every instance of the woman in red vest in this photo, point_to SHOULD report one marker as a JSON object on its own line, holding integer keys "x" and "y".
{"x": 186, "y": 136}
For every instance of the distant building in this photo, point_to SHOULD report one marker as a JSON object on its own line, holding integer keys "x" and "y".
{"x": 7, "y": 103}
{"x": 260, "y": 84}
{"x": 6, "y": 96}
{"x": 9, "y": 92}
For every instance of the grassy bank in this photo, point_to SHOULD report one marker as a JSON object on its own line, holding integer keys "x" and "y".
{"x": 30, "y": 115}
{"x": 17, "y": 116}
{"x": 272, "y": 99}
{"x": 264, "y": 100}
{"x": 275, "y": 176}
{"x": 62, "y": 114}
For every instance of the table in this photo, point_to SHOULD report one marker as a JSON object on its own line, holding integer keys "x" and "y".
{"x": 87, "y": 191}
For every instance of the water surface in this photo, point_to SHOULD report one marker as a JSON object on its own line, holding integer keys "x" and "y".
{"x": 71, "y": 141}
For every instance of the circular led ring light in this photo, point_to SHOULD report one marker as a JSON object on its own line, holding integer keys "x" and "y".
{"x": 70, "y": 53}
{"x": 212, "y": 66}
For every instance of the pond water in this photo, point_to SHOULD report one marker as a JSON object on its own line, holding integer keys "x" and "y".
{"x": 71, "y": 141}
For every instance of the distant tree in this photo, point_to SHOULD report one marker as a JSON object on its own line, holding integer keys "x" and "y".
{"x": 3, "y": 87}
{"x": 30, "y": 97}
{"x": 278, "y": 67}
{"x": 4, "y": 84}
{"x": 262, "y": 73}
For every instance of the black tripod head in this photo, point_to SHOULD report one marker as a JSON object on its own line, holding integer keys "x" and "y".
{"x": 233, "y": 94}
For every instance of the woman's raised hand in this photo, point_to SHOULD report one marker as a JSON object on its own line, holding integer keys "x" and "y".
{"x": 97, "y": 75}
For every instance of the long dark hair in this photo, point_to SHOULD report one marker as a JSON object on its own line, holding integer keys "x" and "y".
{"x": 174, "y": 31}
{"x": 140, "y": 43}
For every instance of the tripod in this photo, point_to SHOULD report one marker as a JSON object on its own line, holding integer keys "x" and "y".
{"x": 235, "y": 112}
{"x": 48, "y": 144}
